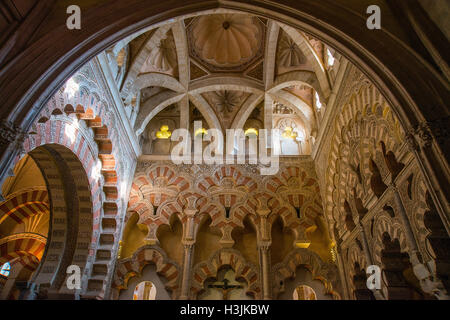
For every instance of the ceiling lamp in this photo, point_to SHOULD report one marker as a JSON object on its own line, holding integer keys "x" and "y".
{"x": 202, "y": 131}
{"x": 289, "y": 133}
{"x": 251, "y": 131}
{"x": 164, "y": 132}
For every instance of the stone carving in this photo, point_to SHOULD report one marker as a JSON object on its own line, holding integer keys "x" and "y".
{"x": 10, "y": 132}
{"x": 226, "y": 39}
{"x": 226, "y": 101}
{"x": 162, "y": 57}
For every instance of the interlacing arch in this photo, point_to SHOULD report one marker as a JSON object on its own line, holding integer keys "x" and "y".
{"x": 355, "y": 258}
{"x": 227, "y": 188}
{"x": 158, "y": 184}
{"x": 325, "y": 272}
{"x": 385, "y": 224}
{"x": 365, "y": 122}
{"x": 418, "y": 191}
{"x": 299, "y": 193}
{"x": 133, "y": 266}
{"x": 226, "y": 257}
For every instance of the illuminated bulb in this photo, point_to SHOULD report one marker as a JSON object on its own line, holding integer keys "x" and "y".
{"x": 164, "y": 132}
{"x": 289, "y": 133}
{"x": 201, "y": 131}
{"x": 303, "y": 244}
{"x": 251, "y": 131}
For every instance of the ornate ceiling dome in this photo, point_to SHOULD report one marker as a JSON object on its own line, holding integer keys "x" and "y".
{"x": 226, "y": 40}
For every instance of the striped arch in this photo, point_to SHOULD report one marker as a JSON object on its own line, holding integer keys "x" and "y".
{"x": 326, "y": 273}
{"x": 80, "y": 123}
{"x": 227, "y": 189}
{"x": 354, "y": 255}
{"x": 365, "y": 120}
{"x": 297, "y": 191}
{"x": 22, "y": 269}
{"x": 23, "y": 205}
{"x": 28, "y": 262}
{"x": 223, "y": 172}
{"x": 132, "y": 267}
{"x": 226, "y": 257}
{"x": 419, "y": 206}
{"x": 153, "y": 187}
{"x": 21, "y": 245}
{"x": 385, "y": 224}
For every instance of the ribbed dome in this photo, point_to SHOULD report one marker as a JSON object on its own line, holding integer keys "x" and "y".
{"x": 226, "y": 39}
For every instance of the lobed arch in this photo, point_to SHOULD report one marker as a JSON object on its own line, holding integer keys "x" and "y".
{"x": 361, "y": 128}
{"x": 133, "y": 266}
{"x": 406, "y": 72}
{"x": 324, "y": 272}
{"x": 385, "y": 224}
{"x": 226, "y": 257}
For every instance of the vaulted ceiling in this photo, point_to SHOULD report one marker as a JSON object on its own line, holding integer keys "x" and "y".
{"x": 228, "y": 65}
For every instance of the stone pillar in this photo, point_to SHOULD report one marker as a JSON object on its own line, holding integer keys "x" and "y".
{"x": 429, "y": 284}
{"x": 365, "y": 244}
{"x": 414, "y": 250}
{"x": 342, "y": 274}
{"x": 264, "y": 257}
{"x": 264, "y": 243}
{"x": 188, "y": 244}
{"x": 187, "y": 263}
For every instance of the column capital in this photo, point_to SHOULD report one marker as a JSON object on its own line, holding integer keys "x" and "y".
{"x": 264, "y": 245}
{"x": 10, "y": 132}
{"x": 188, "y": 243}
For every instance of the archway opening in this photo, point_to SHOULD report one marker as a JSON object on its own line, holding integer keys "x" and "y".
{"x": 47, "y": 222}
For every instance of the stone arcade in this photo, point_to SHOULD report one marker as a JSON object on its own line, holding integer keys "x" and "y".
{"x": 88, "y": 128}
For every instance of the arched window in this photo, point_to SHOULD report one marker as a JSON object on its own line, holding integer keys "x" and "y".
{"x": 145, "y": 290}
{"x": 6, "y": 269}
{"x": 304, "y": 293}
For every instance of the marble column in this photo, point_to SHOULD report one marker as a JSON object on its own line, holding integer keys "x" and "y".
{"x": 409, "y": 235}
{"x": 365, "y": 244}
{"x": 264, "y": 243}
{"x": 264, "y": 255}
{"x": 188, "y": 245}
{"x": 187, "y": 264}
{"x": 429, "y": 282}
